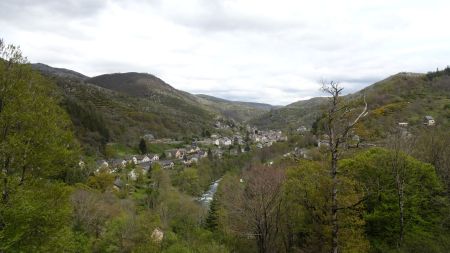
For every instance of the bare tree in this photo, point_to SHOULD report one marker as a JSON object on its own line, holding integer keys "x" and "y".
{"x": 255, "y": 209}
{"x": 400, "y": 141}
{"x": 341, "y": 118}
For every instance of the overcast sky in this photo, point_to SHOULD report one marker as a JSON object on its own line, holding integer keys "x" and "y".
{"x": 262, "y": 51}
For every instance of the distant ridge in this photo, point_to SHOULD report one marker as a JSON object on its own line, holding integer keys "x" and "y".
{"x": 60, "y": 72}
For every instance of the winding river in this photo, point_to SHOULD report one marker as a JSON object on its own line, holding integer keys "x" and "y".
{"x": 208, "y": 196}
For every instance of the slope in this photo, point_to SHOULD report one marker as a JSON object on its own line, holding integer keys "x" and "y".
{"x": 103, "y": 115}
{"x": 402, "y": 97}
{"x": 237, "y": 110}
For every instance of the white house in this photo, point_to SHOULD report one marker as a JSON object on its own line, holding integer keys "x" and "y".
{"x": 429, "y": 121}
{"x": 226, "y": 141}
{"x": 145, "y": 159}
{"x": 154, "y": 157}
{"x": 132, "y": 175}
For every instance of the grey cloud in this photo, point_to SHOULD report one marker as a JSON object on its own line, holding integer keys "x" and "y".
{"x": 237, "y": 53}
{"x": 16, "y": 9}
{"x": 213, "y": 16}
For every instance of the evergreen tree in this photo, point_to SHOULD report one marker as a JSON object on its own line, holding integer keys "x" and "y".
{"x": 143, "y": 146}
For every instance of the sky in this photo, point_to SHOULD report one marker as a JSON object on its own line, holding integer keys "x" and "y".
{"x": 275, "y": 52}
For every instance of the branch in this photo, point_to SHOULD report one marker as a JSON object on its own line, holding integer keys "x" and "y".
{"x": 362, "y": 114}
{"x": 354, "y": 205}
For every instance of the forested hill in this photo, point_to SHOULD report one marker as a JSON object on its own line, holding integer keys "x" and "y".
{"x": 122, "y": 107}
{"x": 404, "y": 97}
{"x": 238, "y": 110}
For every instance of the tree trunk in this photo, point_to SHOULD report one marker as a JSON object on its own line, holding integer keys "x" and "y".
{"x": 5, "y": 192}
{"x": 334, "y": 205}
{"x": 22, "y": 175}
{"x": 400, "y": 187}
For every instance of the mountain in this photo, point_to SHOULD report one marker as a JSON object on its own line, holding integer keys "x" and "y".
{"x": 153, "y": 88}
{"x": 60, "y": 72}
{"x": 122, "y": 107}
{"x": 237, "y": 110}
{"x": 404, "y": 97}
{"x": 292, "y": 116}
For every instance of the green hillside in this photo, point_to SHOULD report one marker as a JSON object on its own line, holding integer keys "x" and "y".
{"x": 291, "y": 116}
{"x": 122, "y": 107}
{"x": 404, "y": 97}
{"x": 102, "y": 115}
{"x": 237, "y": 110}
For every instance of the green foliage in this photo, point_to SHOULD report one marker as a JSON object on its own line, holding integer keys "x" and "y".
{"x": 307, "y": 207}
{"x": 37, "y": 218}
{"x": 36, "y": 139}
{"x": 87, "y": 118}
{"x": 424, "y": 206}
{"x": 101, "y": 181}
{"x": 118, "y": 150}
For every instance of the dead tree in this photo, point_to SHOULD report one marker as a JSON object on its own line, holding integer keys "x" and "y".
{"x": 341, "y": 118}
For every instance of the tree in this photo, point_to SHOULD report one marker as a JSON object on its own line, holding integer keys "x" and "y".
{"x": 35, "y": 133}
{"x": 306, "y": 210}
{"x": 143, "y": 146}
{"x": 38, "y": 219}
{"x": 420, "y": 223}
{"x": 254, "y": 208}
{"x": 340, "y": 120}
{"x": 433, "y": 146}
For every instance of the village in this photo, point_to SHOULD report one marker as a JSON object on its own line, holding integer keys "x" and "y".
{"x": 235, "y": 140}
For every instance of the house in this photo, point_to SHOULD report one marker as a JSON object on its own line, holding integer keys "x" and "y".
{"x": 238, "y": 139}
{"x": 323, "y": 143}
{"x": 402, "y": 124}
{"x": 133, "y": 175}
{"x": 167, "y": 164}
{"x": 149, "y": 137}
{"x": 153, "y": 157}
{"x": 144, "y": 159}
{"x": 225, "y": 141}
{"x": 302, "y": 129}
{"x": 180, "y": 153}
{"x": 193, "y": 149}
{"x": 102, "y": 166}
{"x": 194, "y": 159}
{"x": 202, "y": 154}
{"x": 118, "y": 184}
{"x": 146, "y": 166}
{"x": 429, "y": 121}
{"x": 175, "y": 153}
{"x": 259, "y": 145}
{"x": 217, "y": 142}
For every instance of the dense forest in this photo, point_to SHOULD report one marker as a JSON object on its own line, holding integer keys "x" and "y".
{"x": 394, "y": 198}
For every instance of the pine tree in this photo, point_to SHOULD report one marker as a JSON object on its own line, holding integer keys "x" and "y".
{"x": 143, "y": 147}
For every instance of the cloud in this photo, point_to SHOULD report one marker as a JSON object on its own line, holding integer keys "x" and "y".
{"x": 254, "y": 50}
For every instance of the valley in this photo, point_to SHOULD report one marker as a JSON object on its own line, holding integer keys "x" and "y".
{"x": 127, "y": 163}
